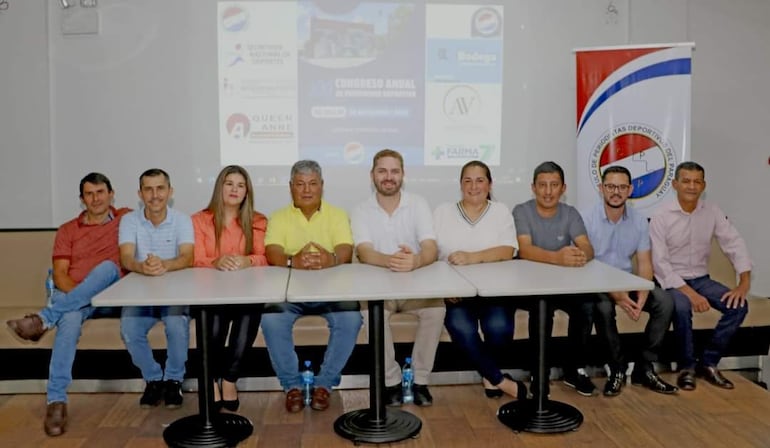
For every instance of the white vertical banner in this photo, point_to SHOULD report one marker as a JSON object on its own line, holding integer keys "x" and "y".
{"x": 633, "y": 109}
{"x": 257, "y": 82}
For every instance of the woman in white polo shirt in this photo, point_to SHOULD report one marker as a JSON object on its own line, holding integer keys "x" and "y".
{"x": 479, "y": 230}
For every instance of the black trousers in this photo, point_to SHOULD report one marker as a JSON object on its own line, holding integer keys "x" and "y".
{"x": 580, "y": 310}
{"x": 660, "y": 307}
{"x": 226, "y": 355}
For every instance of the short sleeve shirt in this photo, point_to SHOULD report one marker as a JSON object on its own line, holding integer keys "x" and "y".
{"x": 454, "y": 232}
{"x": 551, "y": 233}
{"x": 290, "y": 229}
{"x": 87, "y": 245}
{"x": 162, "y": 241}
{"x": 409, "y": 224}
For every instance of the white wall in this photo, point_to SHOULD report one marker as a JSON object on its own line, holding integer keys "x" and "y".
{"x": 142, "y": 91}
{"x": 25, "y": 152}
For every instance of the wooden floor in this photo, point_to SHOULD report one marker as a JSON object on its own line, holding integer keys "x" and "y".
{"x": 460, "y": 417}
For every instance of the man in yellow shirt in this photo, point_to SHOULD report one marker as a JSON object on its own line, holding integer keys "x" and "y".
{"x": 309, "y": 234}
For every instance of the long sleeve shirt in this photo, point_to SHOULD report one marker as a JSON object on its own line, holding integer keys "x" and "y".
{"x": 681, "y": 242}
{"x": 232, "y": 241}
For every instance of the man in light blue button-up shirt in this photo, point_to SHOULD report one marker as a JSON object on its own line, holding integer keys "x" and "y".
{"x": 617, "y": 233}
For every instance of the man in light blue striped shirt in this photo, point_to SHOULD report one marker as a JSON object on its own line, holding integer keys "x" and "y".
{"x": 154, "y": 240}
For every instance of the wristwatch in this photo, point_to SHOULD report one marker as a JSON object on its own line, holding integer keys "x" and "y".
{"x": 288, "y": 261}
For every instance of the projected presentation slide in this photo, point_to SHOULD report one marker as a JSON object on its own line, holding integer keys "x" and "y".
{"x": 338, "y": 81}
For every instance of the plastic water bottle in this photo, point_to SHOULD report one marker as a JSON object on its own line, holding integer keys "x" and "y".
{"x": 308, "y": 378}
{"x": 49, "y": 286}
{"x": 407, "y": 380}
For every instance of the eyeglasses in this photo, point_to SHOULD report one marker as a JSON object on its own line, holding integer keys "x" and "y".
{"x": 612, "y": 187}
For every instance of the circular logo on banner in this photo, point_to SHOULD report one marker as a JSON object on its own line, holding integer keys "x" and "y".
{"x": 238, "y": 126}
{"x": 486, "y": 22}
{"x": 641, "y": 149}
{"x": 353, "y": 152}
{"x": 234, "y": 19}
{"x": 461, "y": 103}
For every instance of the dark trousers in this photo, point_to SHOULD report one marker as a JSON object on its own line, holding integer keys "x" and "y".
{"x": 242, "y": 322}
{"x": 660, "y": 307}
{"x": 579, "y": 308}
{"x": 726, "y": 327}
{"x": 496, "y": 319}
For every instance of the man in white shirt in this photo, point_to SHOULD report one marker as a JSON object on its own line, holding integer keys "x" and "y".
{"x": 394, "y": 229}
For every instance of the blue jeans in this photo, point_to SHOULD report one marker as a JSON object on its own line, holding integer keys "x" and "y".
{"x": 136, "y": 322}
{"x": 67, "y": 312}
{"x": 277, "y": 328}
{"x": 497, "y": 323}
{"x": 101, "y": 276}
{"x": 726, "y": 327}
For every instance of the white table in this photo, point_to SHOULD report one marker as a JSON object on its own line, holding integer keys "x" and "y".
{"x": 528, "y": 278}
{"x": 202, "y": 288}
{"x": 374, "y": 284}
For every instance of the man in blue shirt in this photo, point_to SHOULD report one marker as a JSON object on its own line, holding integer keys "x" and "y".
{"x": 617, "y": 233}
{"x": 154, "y": 240}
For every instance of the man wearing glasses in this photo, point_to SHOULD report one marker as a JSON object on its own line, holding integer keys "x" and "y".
{"x": 617, "y": 233}
{"x": 681, "y": 233}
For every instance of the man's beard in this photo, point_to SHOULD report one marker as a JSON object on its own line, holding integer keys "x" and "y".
{"x": 615, "y": 206}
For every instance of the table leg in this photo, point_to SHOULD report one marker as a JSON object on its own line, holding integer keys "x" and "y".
{"x": 377, "y": 424}
{"x": 206, "y": 429}
{"x": 540, "y": 414}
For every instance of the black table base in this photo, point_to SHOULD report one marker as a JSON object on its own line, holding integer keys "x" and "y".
{"x": 377, "y": 424}
{"x": 362, "y": 427}
{"x": 554, "y": 416}
{"x": 224, "y": 430}
{"x": 540, "y": 414}
{"x": 207, "y": 428}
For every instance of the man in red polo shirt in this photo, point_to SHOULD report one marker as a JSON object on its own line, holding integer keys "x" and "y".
{"x": 85, "y": 262}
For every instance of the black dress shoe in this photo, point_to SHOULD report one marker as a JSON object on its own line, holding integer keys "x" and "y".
{"x": 422, "y": 396}
{"x": 393, "y": 395}
{"x": 615, "y": 383}
{"x": 686, "y": 380}
{"x": 714, "y": 376}
{"x": 651, "y": 380}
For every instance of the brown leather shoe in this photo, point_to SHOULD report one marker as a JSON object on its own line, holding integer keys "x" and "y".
{"x": 30, "y": 327}
{"x": 320, "y": 401}
{"x": 55, "y": 418}
{"x": 294, "y": 400}
{"x": 713, "y": 376}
